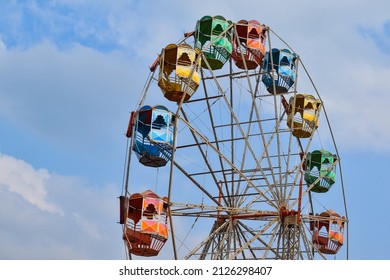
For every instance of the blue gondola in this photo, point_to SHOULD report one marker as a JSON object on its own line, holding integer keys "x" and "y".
{"x": 279, "y": 75}
{"x": 154, "y": 131}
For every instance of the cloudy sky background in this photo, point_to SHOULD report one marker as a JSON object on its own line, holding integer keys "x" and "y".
{"x": 72, "y": 70}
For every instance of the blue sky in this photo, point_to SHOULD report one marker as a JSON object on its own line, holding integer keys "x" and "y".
{"x": 71, "y": 71}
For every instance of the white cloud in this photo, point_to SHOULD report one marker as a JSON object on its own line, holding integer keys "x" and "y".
{"x": 355, "y": 94}
{"x": 50, "y": 216}
{"x": 87, "y": 225}
{"x": 3, "y": 48}
{"x": 21, "y": 178}
{"x": 76, "y": 100}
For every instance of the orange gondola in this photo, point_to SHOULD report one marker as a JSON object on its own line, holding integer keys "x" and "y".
{"x": 144, "y": 216}
{"x": 248, "y": 44}
{"x": 328, "y": 232}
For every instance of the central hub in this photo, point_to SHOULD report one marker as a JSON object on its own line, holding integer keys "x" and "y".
{"x": 288, "y": 217}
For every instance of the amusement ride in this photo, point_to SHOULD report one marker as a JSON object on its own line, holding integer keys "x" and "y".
{"x": 241, "y": 149}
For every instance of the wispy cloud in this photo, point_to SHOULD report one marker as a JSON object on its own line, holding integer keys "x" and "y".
{"x": 50, "y": 216}
{"x": 21, "y": 178}
{"x": 76, "y": 101}
{"x": 380, "y": 36}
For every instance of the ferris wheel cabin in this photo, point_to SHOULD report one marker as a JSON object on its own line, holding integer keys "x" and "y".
{"x": 179, "y": 72}
{"x": 154, "y": 133}
{"x": 328, "y": 232}
{"x": 303, "y": 115}
{"x": 320, "y": 170}
{"x": 213, "y": 35}
{"x": 145, "y": 219}
{"x": 248, "y": 44}
{"x": 279, "y": 67}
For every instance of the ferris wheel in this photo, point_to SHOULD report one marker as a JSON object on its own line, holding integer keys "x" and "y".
{"x": 247, "y": 166}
